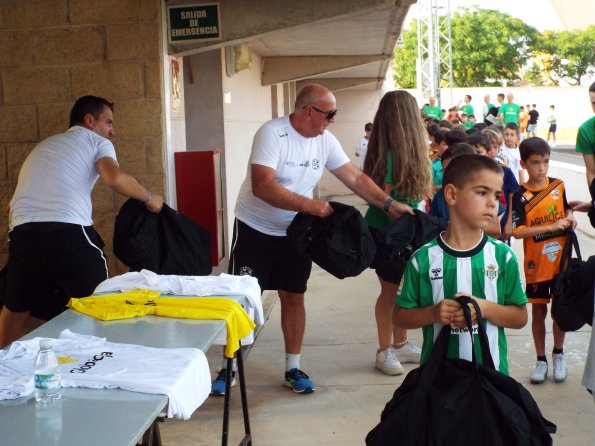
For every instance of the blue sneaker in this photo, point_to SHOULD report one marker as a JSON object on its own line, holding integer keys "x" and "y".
{"x": 299, "y": 381}
{"x": 218, "y": 386}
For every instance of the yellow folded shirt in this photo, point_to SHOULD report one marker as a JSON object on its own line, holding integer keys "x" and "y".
{"x": 109, "y": 307}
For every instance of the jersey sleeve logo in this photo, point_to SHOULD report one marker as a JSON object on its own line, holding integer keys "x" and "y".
{"x": 528, "y": 195}
{"x": 491, "y": 271}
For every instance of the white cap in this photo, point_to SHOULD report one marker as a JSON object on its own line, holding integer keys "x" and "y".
{"x": 46, "y": 343}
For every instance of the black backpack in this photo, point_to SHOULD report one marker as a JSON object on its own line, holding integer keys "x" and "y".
{"x": 402, "y": 237}
{"x": 449, "y": 402}
{"x": 340, "y": 243}
{"x": 572, "y": 305}
{"x": 165, "y": 243}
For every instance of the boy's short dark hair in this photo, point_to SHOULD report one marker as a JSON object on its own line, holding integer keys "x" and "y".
{"x": 445, "y": 123}
{"x": 479, "y": 126}
{"x": 439, "y": 136}
{"x": 432, "y": 129}
{"x": 454, "y": 121}
{"x": 512, "y": 126}
{"x": 478, "y": 139}
{"x": 454, "y": 136}
{"x": 592, "y": 88}
{"x": 458, "y": 149}
{"x": 533, "y": 146}
{"x": 368, "y": 127}
{"x": 92, "y": 105}
{"x": 463, "y": 169}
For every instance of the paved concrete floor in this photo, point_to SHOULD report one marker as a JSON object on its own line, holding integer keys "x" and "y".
{"x": 338, "y": 353}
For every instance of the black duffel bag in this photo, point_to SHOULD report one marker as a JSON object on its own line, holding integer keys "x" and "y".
{"x": 449, "y": 402}
{"x": 340, "y": 243}
{"x": 572, "y": 305}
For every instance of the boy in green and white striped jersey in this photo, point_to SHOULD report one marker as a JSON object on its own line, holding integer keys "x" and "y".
{"x": 463, "y": 260}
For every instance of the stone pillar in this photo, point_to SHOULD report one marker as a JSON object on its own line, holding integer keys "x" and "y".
{"x": 54, "y": 51}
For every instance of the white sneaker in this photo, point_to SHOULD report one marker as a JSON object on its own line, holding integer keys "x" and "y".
{"x": 408, "y": 352}
{"x": 560, "y": 369}
{"x": 539, "y": 372}
{"x": 553, "y": 145}
{"x": 387, "y": 362}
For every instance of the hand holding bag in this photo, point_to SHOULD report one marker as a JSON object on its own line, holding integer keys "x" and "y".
{"x": 455, "y": 402}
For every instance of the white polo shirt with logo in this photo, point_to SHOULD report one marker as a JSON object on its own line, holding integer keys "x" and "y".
{"x": 298, "y": 163}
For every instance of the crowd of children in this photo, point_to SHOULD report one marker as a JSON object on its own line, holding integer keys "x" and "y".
{"x": 496, "y": 187}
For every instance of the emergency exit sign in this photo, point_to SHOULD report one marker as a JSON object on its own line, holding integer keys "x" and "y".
{"x": 193, "y": 22}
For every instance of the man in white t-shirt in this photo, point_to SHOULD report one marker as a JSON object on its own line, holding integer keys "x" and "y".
{"x": 52, "y": 243}
{"x": 288, "y": 157}
{"x": 362, "y": 145}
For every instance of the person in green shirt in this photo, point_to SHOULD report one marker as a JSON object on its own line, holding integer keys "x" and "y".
{"x": 510, "y": 111}
{"x": 432, "y": 110}
{"x": 467, "y": 107}
{"x": 464, "y": 261}
{"x": 585, "y": 140}
{"x": 397, "y": 161}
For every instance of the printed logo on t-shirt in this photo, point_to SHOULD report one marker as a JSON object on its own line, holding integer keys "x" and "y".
{"x": 464, "y": 330}
{"x": 551, "y": 250}
{"x": 92, "y": 362}
{"x": 436, "y": 274}
{"x": 315, "y": 164}
{"x": 555, "y": 194}
{"x": 491, "y": 272}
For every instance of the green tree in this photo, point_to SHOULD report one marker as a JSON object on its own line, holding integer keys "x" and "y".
{"x": 405, "y": 70}
{"x": 567, "y": 55}
{"x": 488, "y": 47}
{"x": 534, "y": 75}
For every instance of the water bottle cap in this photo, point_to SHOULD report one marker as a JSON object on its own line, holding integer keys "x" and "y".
{"x": 46, "y": 343}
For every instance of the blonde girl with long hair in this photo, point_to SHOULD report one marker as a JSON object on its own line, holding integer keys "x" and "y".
{"x": 397, "y": 161}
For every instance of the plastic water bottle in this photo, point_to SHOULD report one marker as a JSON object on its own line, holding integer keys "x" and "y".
{"x": 47, "y": 374}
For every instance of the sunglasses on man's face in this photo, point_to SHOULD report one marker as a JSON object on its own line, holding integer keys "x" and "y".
{"x": 328, "y": 114}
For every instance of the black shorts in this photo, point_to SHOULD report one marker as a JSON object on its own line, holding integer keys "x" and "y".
{"x": 540, "y": 292}
{"x": 48, "y": 263}
{"x": 274, "y": 261}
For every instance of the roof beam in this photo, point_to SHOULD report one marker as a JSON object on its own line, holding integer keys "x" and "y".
{"x": 340, "y": 83}
{"x": 284, "y": 69}
{"x": 241, "y": 20}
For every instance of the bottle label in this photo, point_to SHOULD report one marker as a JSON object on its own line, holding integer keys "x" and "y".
{"x": 50, "y": 381}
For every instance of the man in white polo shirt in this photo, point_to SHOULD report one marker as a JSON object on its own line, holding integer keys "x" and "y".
{"x": 288, "y": 157}
{"x": 52, "y": 242}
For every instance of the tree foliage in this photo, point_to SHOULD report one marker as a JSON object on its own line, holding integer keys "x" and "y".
{"x": 488, "y": 47}
{"x": 405, "y": 70}
{"x": 567, "y": 55}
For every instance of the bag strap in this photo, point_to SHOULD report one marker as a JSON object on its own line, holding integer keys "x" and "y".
{"x": 571, "y": 243}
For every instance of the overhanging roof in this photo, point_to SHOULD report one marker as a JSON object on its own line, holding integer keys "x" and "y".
{"x": 340, "y": 43}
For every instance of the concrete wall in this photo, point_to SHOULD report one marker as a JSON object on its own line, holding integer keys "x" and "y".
{"x": 51, "y": 53}
{"x": 246, "y": 106}
{"x": 204, "y": 101}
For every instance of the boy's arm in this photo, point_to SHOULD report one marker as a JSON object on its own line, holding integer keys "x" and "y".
{"x": 445, "y": 312}
{"x": 526, "y": 232}
{"x": 506, "y": 316}
{"x": 508, "y": 225}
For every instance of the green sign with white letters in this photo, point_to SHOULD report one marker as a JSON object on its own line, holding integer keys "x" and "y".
{"x": 193, "y": 22}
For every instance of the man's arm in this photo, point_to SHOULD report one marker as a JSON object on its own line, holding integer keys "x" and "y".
{"x": 126, "y": 184}
{"x": 589, "y": 159}
{"x": 265, "y": 187}
{"x": 364, "y": 187}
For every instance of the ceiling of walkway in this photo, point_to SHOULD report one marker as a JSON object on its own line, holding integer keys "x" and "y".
{"x": 348, "y": 43}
